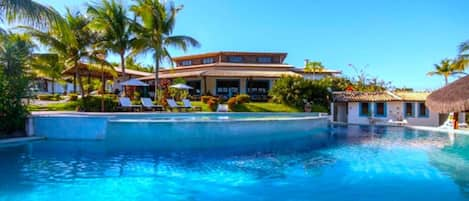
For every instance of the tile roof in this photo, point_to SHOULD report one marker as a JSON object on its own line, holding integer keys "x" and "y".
{"x": 384, "y": 96}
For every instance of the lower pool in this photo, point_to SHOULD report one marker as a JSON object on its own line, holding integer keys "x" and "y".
{"x": 342, "y": 163}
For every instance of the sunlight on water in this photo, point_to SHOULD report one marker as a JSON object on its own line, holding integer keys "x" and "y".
{"x": 345, "y": 163}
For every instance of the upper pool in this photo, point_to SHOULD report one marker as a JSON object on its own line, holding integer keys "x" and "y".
{"x": 338, "y": 163}
{"x": 192, "y": 129}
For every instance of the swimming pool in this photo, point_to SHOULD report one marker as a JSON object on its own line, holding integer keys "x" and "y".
{"x": 342, "y": 163}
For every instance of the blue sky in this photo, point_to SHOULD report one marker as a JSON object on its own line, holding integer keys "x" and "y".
{"x": 399, "y": 40}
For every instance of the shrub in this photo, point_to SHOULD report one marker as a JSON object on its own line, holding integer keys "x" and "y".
{"x": 72, "y": 97}
{"x": 44, "y": 97}
{"x": 213, "y": 104}
{"x": 232, "y": 102}
{"x": 242, "y": 98}
{"x": 205, "y": 99}
{"x": 56, "y": 97}
{"x": 294, "y": 91}
{"x": 93, "y": 103}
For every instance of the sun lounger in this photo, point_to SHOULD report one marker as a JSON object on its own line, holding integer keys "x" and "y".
{"x": 399, "y": 123}
{"x": 126, "y": 104}
{"x": 148, "y": 104}
{"x": 188, "y": 105}
{"x": 173, "y": 105}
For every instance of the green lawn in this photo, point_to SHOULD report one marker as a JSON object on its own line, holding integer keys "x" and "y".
{"x": 68, "y": 106}
{"x": 246, "y": 107}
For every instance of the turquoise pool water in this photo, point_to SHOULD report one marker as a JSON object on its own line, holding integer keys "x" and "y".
{"x": 342, "y": 163}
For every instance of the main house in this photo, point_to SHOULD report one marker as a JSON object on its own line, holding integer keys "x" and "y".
{"x": 385, "y": 107}
{"x": 230, "y": 73}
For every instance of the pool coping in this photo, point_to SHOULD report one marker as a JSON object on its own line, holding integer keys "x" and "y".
{"x": 425, "y": 128}
{"x": 111, "y": 115}
{"x": 17, "y": 140}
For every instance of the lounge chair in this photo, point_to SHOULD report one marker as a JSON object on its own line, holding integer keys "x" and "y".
{"x": 126, "y": 104}
{"x": 148, "y": 104}
{"x": 188, "y": 105}
{"x": 173, "y": 105}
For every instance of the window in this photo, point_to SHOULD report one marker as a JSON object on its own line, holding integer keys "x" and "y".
{"x": 423, "y": 111}
{"x": 260, "y": 87}
{"x": 364, "y": 109}
{"x": 380, "y": 109}
{"x": 235, "y": 59}
{"x": 409, "y": 110}
{"x": 196, "y": 87}
{"x": 264, "y": 59}
{"x": 186, "y": 63}
{"x": 207, "y": 60}
{"x": 229, "y": 88}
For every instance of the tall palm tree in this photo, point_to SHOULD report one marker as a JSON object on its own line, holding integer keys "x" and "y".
{"x": 28, "y": 11}
{"x": 72, "y": 47}
{"x": 462, "y": 61}
{"x": 446, "y": 68}
{"x": 154, "y": 30}
{"x": 48, "y": 65}
{"x": 110, "y": 20}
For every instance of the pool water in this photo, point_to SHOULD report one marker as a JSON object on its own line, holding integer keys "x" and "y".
{"x": 344, "y": 163}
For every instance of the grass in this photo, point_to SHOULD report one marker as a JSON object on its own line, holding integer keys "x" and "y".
{"x": 246, "y": 107}
{"x": 254, "y": 107}
{"x": 264, "y": 107}
{"x": 67, "y": 106}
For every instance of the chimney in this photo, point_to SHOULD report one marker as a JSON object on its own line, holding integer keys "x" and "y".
{"x": 306, "y": 62}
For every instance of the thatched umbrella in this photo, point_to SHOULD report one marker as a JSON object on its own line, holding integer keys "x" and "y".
{"x": 453, "y": 97}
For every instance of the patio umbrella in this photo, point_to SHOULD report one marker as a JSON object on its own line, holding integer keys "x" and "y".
{"x": 181, "y": 86}
{"x": 134, "y": 82}
{"x": 453, "y": 97}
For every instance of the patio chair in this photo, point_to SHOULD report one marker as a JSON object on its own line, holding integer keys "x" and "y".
{"x": 126, "y": 104}
{"x": 173, "y": 105}
{"x": 148, "y": 105}
{"x": 188, "y": 105}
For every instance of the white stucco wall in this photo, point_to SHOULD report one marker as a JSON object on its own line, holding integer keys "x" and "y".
{"x": 395, "y": 111}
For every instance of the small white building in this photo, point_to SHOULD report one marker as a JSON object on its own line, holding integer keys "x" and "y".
{"x": 382, "y": 107}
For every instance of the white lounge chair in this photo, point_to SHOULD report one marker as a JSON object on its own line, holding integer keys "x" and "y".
{"x": 148, "y": 104}
{"x": 126, "y": 104}
{"x": 173, "y": 105}
{"x": 399, "y": 123}
{"x": 188, "y": 105}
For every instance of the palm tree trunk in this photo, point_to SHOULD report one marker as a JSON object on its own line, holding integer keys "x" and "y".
{"x": 124, "y": 75}
{"x": 75, "y": 77}
{"x": 446, "y": 80}
{"x": 53, "y": 86}
{"x": 157, "y": 69}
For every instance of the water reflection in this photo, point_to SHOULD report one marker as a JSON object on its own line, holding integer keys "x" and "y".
{"x": 300, "y": 166}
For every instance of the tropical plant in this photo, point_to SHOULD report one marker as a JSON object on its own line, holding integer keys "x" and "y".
{"x": 445, "y": 68}
{"x": 15, "y": 52}
{"x": 30, "y": 12}
{"x": 48, "y": 65}
{"x": 314, "y": 67}
{"x": 109, "y": 19}
{"x": 154, "y": 26}
{"x": 462, "y": 60}
{"x": 72, "y": 48}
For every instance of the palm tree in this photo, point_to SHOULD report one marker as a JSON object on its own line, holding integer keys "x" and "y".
{"x": 73, "y": 48}
{"x": 154, "y": 32}
{"x": 314, "y": 67}
{"x": 110, "y": 20}
{"x": 446, "y": 68}
{"x": 462, "y": 61}
{"x": 28, "y": 11}
{"x": 48, "y": 65}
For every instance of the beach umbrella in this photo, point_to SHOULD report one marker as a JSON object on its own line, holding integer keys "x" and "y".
{"x": 181, "y": 86}
{"x": 134, "y": 82}
{"x": 453, "y": 97}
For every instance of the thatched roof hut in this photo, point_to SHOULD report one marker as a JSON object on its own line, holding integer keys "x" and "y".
{"x": 453, "y": 97}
